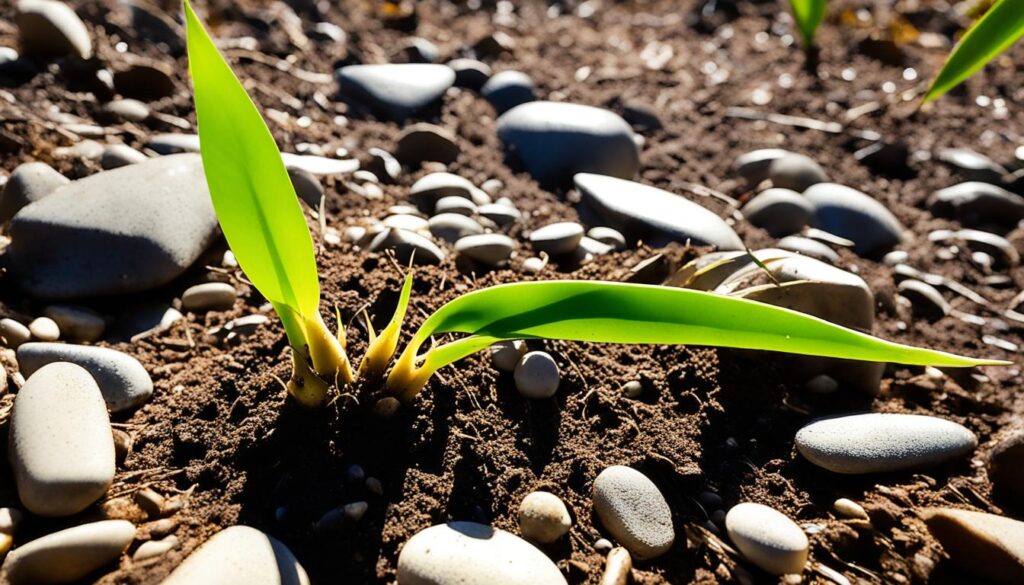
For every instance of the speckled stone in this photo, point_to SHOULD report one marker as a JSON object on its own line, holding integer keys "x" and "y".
{"x": 768, "y": 538}
{"x": 536, "y": 375}
{"x": 122, "y": 379}
{"x": 70, "y": 554}
{"x": 634, "y": 511}
{"x": 239, "y": 555}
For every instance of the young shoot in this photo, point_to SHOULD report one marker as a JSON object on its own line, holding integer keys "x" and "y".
{"x": 808, "y": 15}
{"x": 611, "y": 312}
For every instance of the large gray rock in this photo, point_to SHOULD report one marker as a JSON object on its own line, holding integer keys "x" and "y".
{"x": 29, "y": 183}
{"x": 634, "y": 511}
{"x": 978, "y": 204}
{"x": 120, "y": 231}
{"x": 850, "y": 214}
{"x": 240, "y": 555}
{"x": 395, "y": 91}
{"x": 61, "y": 447}
{"x": 655, "y": 216}
{"x": 52, "y": 29}
{"x": 123, "y": 381}
{"x": 554, "y": 141}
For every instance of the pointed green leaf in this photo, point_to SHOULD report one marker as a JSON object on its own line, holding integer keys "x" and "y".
{"x": 252, "y": 193}
{"x": 992, "y": 34}
{"x": 808, "y": 15}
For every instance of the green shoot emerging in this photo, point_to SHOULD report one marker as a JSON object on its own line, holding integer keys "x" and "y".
{"x": 992, "y": 34}
{"x": 632, "y": 313}
{"x": 260, "y": 214}
{"x": 808, "y": 15}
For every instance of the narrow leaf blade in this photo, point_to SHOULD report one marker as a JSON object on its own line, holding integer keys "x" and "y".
{"x": 252, "y": 194}
{"x": 992, "y": 34}
{"x": 631, "y": 313}
{"x": 808, "y": 15}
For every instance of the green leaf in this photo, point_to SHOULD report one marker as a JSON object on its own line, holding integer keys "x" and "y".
{"x": 251, "y": 191}
{"x": 808, "y": 15}
{"x": 632, "y": 313}
{"x": 992, "y": 34}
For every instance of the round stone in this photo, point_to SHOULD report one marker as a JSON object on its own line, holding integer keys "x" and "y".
{"x": 499, "y": 213}
{"x": 796, "y": 172}
{"x": 123, "y": 381}
{"x": 13, "y": 333}
{"x": 239, "y": 555}
{"x": 849, "y": 509}
{"x": 128, "y": 109}
{"x": 779, "y": 211}
{"x": 44, "y": 329}
{"x": 70, "y": 554}
{"x": 452, "y": 227}
{"x": 489, "y": 249}
{"x": 557, "y": 238}
{"x": 76, "y": 323}
{"x": 426, "y": 142}
{"x": 467, "y": 552}
{"x": 209, "y": 296}
{"x": 882, "y": 442}
{"x": 431, "y": 187}
{"x": 508, "y": 89}
{"x": 29, "y": 183}
{"x": 632, "y": 389}
{"x": 537, "y": 375}
{"x": 49, "y": 28}
{"x": 61, "y": 445}
{"x": 753, "y": 165}
{"x": 608, "y": 236}
{"x": 454, "y": 204}
{"x": 853, "y": 215}
{"x": 505, "y": 355}
{"x": 768, "y": 538}
{"x": 543, "y": 517}
{"x": 634, "y": 511}
{"x": 533, "y": 265}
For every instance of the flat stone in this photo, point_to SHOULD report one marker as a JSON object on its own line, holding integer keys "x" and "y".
{"x": 557, "y": 238}
{"x": 455, "y": 204}
{"x": 808, "y": 247}
{"x": 591, "y": 247}
{"x": 972, "y": 165}
{"x": 44, "y": 329}
{"x": 77, "y": 323}
{"x": 608, "y": 236}
{"x": 753, "y": 166}
{"x": 543, "y": 517}
{"x": 987, "y": 545}
{"x": 768, "y": 538}
{"x": 925, "y": 300}
{"x": 307, "y": 187}
{"x": 780, "y": 212}
{"x": 470, "y": 73}
{"x": 61, "y": 446}
{"x": 122, "y": 379}
{"x": 536, "y": 375}
{"x": 173, "y": 143}
{"x": 239, "y": 555}
{"x": 452, "y": 227}
{"x": 429, "y": 188}
{"x": 467, "y": 552}
{"x": 13, "y": 333}
{"x": 634, "y": 511}
{"x": 489, "y": 249}
{"x": 499, "y": 213}
{"x": 319, "y": 165}
{"x": 29, "y": 183}
{"x": 128, "y": 109}
{"x": 508, "y": 89}
{"x": 48, "y": 28}
{"x": 152, "y": 549}
{"x": 120, "y": 155}
{"x": 405, "y": 244}
{"x": 404, "y": 221}
{"x": 877, "y": 442}
{"x": 395, "y": 91}
{"x": 642, "y": 212}
{"x": 70, "y": 554}
{"x": 978, "y": 204}
{"x": 853, "y": 215}
{"x": 796, "y": 172}
{"x": 553, "y": 141}
{"x": 209, "y": 296}
{"x": 121, "y": 231}
{"x": 426, "y": 142}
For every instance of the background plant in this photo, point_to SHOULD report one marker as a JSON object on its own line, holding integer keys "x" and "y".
{"x": 808, "y": 15}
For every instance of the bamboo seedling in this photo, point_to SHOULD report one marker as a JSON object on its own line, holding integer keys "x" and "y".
{"x": 808, "y": 15}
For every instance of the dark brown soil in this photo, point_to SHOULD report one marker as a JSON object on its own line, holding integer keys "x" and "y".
{"x": 221, "y": 434}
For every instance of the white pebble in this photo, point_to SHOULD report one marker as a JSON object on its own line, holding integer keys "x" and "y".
{"x": 506, "y": 354}
{"x": 536, "y": 375}
{"x": 13, "y": 333}
{"x": 543, "y": 517}
{"x": 209, "y": 296}
{"x": 768, "y": 538}
{"x": 44, "y": 329}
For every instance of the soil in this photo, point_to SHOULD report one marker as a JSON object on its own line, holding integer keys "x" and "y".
{"x": 221, "y": 436}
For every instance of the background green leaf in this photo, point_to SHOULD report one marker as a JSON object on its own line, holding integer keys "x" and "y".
{"x": 632, "y": 313}
{"x": 252, "y": 194}
{"x": 992, "y": 34}
{"x": 808, "y": 15}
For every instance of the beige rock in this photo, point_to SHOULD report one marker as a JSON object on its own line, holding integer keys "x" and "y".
{"x": 240, "y": 555}
{"x": 154, "y": 548}
{"x": 768, "y": 538}
{"x": 70, "y": 554}
{"x": 76, "y": 323}
{"x": 989, "y": 546}
{"x": 44, "y": 329}
{"x": 209, "y": 296}
{"x": 543, "y": 517}
{"x": 13, "y": 333}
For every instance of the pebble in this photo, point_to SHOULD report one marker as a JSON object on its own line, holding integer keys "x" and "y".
{"x": 451, "y": 227}
{"x": 239, "y": 555}
{"x": 617, "y": 566}
{"x": 608, "y": 236}
{"x": 209, "y": 296}
{"x": 319, "y": 165}
{"x": 877, "y": 442}
{"x": 76, "y": 323}
{"x": 426, "y": 191}
{"x": 395, "y": 91}
{"x": 642, "y": 212}
{"x": 120, "y": 155}
{"x": 69, "y": 555}
{"x": 123, "y": 381}
{"x": 642, "y": 116}
{"x": 780, "y": 212}
{"x": 925, "y": 300}
{"x": 850, "y": 214}
{"x": 553, "y": 141}
{"x": 849, "y": 509}
{"x": 1004, "y": 471}
{"x": 61, "y": 445}
{"x": 467, "y": 552}
{"x": 505, "y": 355}
{"x": 499, "y": 213}
{"x": 998, "y": 247}
{"x": 978, "y": 204}
{"x": 412, "y": 223}
{"x": 796, "y": 172}
{"x": 13, "y": 333}
{"x": 120, "y": 231}
{"x": 48, "y": 28}
{"x": 417, "y": 50}
{"x": 406, "y": 244}
{"x": 972, "y": 165}
{"x": 536, "y": 375}
{"x": 470, "y": 73}
{"x": 508, "y": 89}
{"x": 533, "y": 265}
{"x": 152, "y": 549}
{"x": 455, "y": 204}
{"x": 128, "y": 109}
{"x": 808, "y": 247}
{"x": 173, "y": 143}
{"x": 307, "y": 187}
{"x": 557, "y": 239}
{"x": 753, "y": 166}
{"x": 634, "y": 511}
{"x": 632, "y": 389}
{"x": 895, "y": 257}
{"x": 767, "y": 538}
{"x": 29, "y": 183}
{"x": 987, "y": 545}
{"x": 426, "y": 142}
{"x": 489, "y": 249}
{"x": 44, "y": 329}
{"x": 590, "y": 247}
{"x": 543, "y": 517}
{"x": 145, "y": 80}
{"x": 385, "y": 166}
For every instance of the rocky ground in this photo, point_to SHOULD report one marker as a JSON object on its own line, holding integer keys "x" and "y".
{"x": 635, "y": 141}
